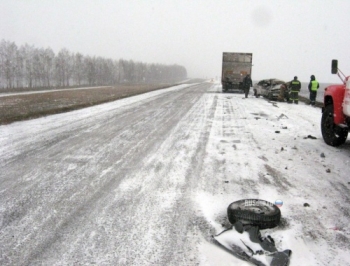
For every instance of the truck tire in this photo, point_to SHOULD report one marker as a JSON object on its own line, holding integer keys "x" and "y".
{"x": 331, "y": 133}
{"x": 256, "y": 212}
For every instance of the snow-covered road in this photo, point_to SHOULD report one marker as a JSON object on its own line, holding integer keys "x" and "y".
{"x": 146, "y": 180}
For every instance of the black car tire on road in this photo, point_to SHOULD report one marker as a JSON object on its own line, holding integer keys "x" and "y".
{"x": 332, "y": 134}
{"x": 256, "y": 212}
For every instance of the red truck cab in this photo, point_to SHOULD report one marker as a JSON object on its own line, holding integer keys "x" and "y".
{"x": 335, "y": 122}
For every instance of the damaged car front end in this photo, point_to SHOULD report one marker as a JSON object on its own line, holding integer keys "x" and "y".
{"x": 268, "y": 88}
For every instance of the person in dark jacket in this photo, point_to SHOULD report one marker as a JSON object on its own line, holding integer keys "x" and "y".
{"x": 247, "y": 83}
{"x": 313, "y": 87}
{"x": 295, "y": 87}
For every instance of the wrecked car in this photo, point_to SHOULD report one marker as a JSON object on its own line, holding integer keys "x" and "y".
{"x": 268, "y": 88}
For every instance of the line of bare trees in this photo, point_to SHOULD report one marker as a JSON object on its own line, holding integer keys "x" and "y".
{"x": 27, "y": 66}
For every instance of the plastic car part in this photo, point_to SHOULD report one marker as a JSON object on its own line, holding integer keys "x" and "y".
{"x": 256, "y": 250}
{"x": 255, "y": 212}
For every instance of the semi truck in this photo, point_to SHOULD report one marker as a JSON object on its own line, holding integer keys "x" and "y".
{"x": 235, "y": 66}
{"x": 335, "y": 121}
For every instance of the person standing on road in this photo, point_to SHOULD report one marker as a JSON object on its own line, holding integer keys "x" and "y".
{"x": 313, "y": 87}
{"x": 247, "y": 83}
{"x": 295, "y": 87}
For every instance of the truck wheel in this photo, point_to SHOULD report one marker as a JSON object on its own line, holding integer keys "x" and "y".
{"x": 255, "y": 212}
{"x": 332, "y": 135}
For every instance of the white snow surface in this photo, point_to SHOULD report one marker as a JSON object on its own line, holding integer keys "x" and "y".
{"x": 147, "y": 180}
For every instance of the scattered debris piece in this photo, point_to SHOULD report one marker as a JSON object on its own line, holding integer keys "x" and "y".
{"x": 282, "y": 149}
{"x": 335, "y": 228}
{"x": 277, "y": 131}
{"x": 246, "y": 243}
{"x": 284, "y": 127}
{"x": 286, "y": 168}
{"x": 263, "y": 158}
{"x": 322, "y": 155}
{"x": 324, "y": 207}
{"x": 310, "y": 137}
{"x": 227, "y": 182}
{"x": 328, "y": 170}
{"x": 282, "y": 116}
{"x": 306, "y": 205}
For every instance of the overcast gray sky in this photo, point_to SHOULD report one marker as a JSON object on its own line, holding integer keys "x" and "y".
{"x": 287, "y": 38}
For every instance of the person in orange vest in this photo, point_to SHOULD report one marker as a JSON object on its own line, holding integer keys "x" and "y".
{"x": 295, "y": 86}
{"x": 313, "y": 87}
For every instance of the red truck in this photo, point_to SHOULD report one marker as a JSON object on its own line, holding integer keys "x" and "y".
{"x": 335, "y": 122}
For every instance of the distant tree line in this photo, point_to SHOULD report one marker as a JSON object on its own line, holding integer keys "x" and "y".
{"x": 27, "y": 66}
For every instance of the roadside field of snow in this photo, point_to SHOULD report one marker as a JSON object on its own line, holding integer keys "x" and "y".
{"x": 146, "y": 180}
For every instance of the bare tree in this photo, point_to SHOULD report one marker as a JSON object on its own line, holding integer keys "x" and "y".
{"x": 78, "y": 68}
{"x": 20, "y": 67}
{"x": 8, "y": 52}
{"x": 48, "y": 61}
{"x": 90, "y": 70}
{"x": 30, "y": 66}
{"x": 63, "y": 67}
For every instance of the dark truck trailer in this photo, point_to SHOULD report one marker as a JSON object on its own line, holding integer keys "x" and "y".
{"x": 235, "y": 66}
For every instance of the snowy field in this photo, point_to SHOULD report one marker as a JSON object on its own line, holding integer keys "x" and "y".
{"x": 146, "y": 180}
